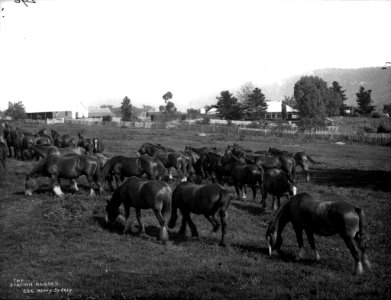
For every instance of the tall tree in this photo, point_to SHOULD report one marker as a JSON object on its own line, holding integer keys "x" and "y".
{"x": 244, "y": 92}
{"x": 364, "y": 101}
{"x": 167, "y": 96}
{"x": 126, "y": 109}
{"x": 255, "y": 106}
{"x": 16, "y": 110}
{"x": 170, "y": 107}
{"x": 228, "y": 106}
{"x": 337, "y": 88}
{"x": 311, "y": 94}
{"x": 334, "y": 103}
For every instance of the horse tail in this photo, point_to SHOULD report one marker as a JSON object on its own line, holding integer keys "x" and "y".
{"x": 362, "y": 227}
{"x": 174, "y": 213}
{"x": 167, "y": 205}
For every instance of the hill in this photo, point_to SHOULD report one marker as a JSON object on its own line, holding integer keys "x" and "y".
{"x": 376, "y": 79}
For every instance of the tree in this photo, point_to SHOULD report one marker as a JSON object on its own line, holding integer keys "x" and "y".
{"x": 338, "y": 89}
{"x": 148, "y": 108}
{"x": 244, "y": 91}
{"x": 162, "y": 108}
{"x": 334, "y": 104}
{"x": 387, "y": 109}
{"x": 290, "y": 101}
{"x": 167, "y": 96}
{"x": 364, "y": 101}
{"x": 192, "y": 112}
{"x": 126, "y": 109}
{"x": 283, "y": 111}
{"x": 311, "y": 95}
{"x": 16, "y": 110}
{"x": 255, "y": 106}
{"x": 170, "y": 107}
{"x": 228, "y": 106}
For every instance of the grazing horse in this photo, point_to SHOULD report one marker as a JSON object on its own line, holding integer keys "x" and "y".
{"x": 277, "y": 183}
{"x": 121, "y": 167}
{"x": 44, "y": 150}
{"x": 69, "y": 167}
{"x": 85, "y": 143}
{"x": 243, "y": 174}
{"x": 207, "y": 199}
{"x": 301, "y": 159}
{"x": 141, "y": 194}
{"x": 322, "y": 218}
{"x": 172, "y": 159}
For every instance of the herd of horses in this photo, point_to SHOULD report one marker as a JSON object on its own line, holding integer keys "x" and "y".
{"x": 145, "y": 181}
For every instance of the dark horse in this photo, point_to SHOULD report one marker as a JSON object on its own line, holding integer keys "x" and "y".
{"x": 44, "y": 150}
{"x": 301, "y": 159}
{"x": 121, "y": 167}
{"x": 207, "y": 199}
{"x": 3, "y": 153}
{"x": 141, "y": 194}
{"x": 243, "y": 174}
{"x": 85, "y": 143}
{"x": 70, "y": 167}
{"x": 323, "y": 218}
{"x": 62, "y": 141}
{"x": 170, "y": 159}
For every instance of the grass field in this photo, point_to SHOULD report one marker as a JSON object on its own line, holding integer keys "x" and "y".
{"x": 65, "y": 244}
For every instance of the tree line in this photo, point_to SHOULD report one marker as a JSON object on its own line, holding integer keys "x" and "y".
{"x": 312, "y": 97}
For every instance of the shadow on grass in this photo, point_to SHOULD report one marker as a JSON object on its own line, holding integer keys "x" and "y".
{"x": 250, "y": 207}
{"x": 375, "y": 180}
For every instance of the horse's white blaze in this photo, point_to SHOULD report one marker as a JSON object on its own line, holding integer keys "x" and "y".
{"x": 170, "y": 176}
{"x": 57, "y": 190}
{"x": 294, "y": 190}
{"x": 92, "y": 192}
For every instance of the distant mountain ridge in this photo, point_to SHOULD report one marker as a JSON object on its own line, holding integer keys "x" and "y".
{"x": 376, "y": 79}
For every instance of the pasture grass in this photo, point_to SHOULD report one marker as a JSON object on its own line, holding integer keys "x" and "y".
{"x": 66, "y": 241}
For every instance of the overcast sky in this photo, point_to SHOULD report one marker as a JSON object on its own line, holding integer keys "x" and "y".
{"x": 56, "y": 53}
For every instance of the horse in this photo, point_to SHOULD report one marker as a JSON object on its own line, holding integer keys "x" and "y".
{"x": 141, "y": 194}
{"x": 169, "y": 159}
{"x": 62, "y": 141}
{"x": 277, "y": 183}
{"x": 207, "y": 199}
{"x": 85, "y": 143}
{"x": 301, "y": 159}
{"x": 3, "y": 153}
{"x": 69, "y": 167}
{"x": 212, "y": 167}
{"x": 121, "y": 167}
{"x": 44, "y": 150}
{"x": 243, "y": 174}
{"x": 14, "y": 139}
{"x": 98, "y": 146}
{"x": 323, "y": 218}
{"x": 201, "y": 150}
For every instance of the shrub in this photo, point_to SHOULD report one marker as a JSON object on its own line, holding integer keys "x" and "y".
{"x": 107, "y": 119}
{"x": 383, "y": 129}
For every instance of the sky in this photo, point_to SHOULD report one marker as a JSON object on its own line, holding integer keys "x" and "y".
{"x": 57, "y": 53}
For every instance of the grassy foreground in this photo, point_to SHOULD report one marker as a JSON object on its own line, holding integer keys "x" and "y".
{"x": 53, "y": 248}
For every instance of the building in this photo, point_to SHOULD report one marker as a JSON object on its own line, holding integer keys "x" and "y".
{"x": 57, "y": 111}
{"x": 274, "y": 111}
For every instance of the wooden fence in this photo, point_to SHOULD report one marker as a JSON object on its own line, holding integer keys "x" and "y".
{"x": 371, "y": 138}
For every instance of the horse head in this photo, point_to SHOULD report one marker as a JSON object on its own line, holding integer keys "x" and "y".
{"x": 274, "y": 240}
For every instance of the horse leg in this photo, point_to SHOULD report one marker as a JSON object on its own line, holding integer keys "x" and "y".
{"x": 74, "y": 185}
{"x": 254, "y": 190}
{"x": 128, "y": 224}
{"x": 182, "y": 230}
{"x": 355, "y": 251}
{"x": 223, "y": 218}
{"x": 56, "y": 186}
{"x": 264, "y": 196}
{"x": 362, "y": 245}
{"x": 299, "y": 238}
{"x": 213, "y": 221}
{"x": 311, "y": 241}
{"x": 141, "y": 228}
{"x": 162, "y": 222}
{"x": 90, "y": 181}
{"x": 193, "y": 228}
